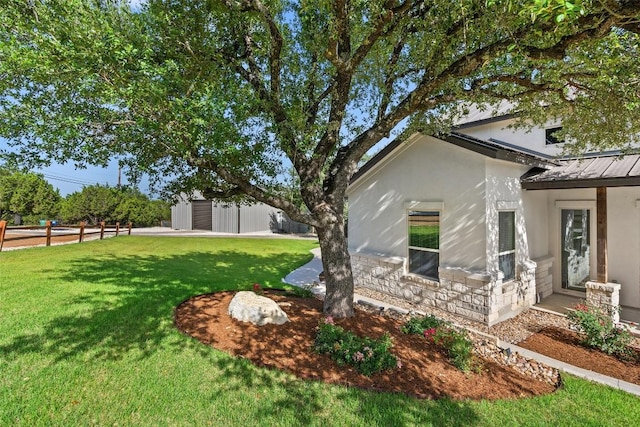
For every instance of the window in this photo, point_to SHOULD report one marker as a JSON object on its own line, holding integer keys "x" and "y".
{"x": 550, "y": 138}
{"x": 507, "y": 244}
{"x": 424, "y": 243}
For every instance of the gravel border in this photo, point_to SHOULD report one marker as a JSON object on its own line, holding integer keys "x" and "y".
{"x": 485, "y": 338}
{"x": 513, "y": 330}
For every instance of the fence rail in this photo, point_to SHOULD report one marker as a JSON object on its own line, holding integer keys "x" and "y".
{"x": 81, "y": 231}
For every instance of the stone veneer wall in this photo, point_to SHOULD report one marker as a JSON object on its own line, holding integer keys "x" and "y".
{"x": 605, "y": 296}
{"x": 477, "y": 296}
{"x": 544, "y": 277}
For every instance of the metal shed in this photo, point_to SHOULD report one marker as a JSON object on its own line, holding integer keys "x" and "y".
{"x": 200, "y": 214}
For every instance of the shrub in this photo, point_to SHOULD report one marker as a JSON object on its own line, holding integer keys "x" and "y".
{"x": 599, "y": 330}
{"x": 417, "y": 325}
{"x": 457, "y": 345}
{"x": 367, "y": 355}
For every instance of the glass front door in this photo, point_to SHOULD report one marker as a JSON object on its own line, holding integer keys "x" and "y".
{"x": 576, "y": 248}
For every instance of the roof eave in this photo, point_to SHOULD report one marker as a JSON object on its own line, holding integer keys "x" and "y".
{"x": 483, "y": 122}
{"x": 581, "y": 183}
{"x": 492, "y": 151}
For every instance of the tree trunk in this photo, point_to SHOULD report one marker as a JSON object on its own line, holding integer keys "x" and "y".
{"x": 338, "y": 301}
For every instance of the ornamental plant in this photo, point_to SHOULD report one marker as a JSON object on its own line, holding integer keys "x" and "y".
{"x": 417, "y": 325}
{"x": 456, "y": 344}
{"x": 599, "y": 331}
{"x": 366, "y": 354}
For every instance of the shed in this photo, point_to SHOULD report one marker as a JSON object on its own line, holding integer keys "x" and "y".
{"x": 197, "y": 213}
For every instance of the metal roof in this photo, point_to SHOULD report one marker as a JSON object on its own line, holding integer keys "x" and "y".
{"x": 590, "y": 172}
{"x": 501, "y": 151}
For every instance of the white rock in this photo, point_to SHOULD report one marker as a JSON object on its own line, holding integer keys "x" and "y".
{"x": 246, "y": 306}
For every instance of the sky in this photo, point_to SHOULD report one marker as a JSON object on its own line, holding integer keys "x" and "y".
{"x": 68, "y": 179}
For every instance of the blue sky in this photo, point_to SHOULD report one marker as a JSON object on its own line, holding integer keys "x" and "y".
{"x": 68, "y": 179}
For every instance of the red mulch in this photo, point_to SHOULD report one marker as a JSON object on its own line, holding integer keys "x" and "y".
{"x": 425, "y": 372}
{"x": 565, "y": 346}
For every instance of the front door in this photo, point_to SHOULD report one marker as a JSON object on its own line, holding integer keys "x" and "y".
{"x": 576, "y": 248}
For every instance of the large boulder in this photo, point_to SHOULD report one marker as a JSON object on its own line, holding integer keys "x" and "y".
{"x": 246, "y": 306}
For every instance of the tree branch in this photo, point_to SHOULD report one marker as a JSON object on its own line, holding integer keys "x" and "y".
{"x": 385, "y": 25}
{"x": 390, "y": 80}
{"x": 243, "y": 186}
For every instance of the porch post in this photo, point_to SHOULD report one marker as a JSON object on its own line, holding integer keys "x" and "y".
{"x": 601, "y": 234}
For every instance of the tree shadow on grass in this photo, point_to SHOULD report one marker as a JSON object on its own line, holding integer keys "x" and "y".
{"x": 313, "y": 403}
{"x": 125, "y": 310}
{"x": 127, "y": 304}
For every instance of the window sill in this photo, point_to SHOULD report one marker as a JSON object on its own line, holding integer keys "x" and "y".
{"x": 415, "y": 278}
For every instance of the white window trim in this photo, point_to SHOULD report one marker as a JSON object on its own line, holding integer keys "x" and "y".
{"x": 576, "y": 204}
{"x": 424, "y": 206}
{"x": 509, "y": 207}
{"x": 436, "y": 206}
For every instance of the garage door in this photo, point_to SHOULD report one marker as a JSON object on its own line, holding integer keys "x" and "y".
{"x": 202, "y": 214}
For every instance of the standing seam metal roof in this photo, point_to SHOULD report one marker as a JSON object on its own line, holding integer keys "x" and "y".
{"x": 603, "y": 171}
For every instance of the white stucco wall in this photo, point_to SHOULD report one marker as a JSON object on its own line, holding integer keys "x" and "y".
{"x": 424, "y": 169}
{"x": 537, "y": 222}
{"x": 531, "y": 140}
{"x": 504, "y": 194}
{"x": 623, "y": 234}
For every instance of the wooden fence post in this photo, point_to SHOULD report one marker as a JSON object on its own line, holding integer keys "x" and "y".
{"x": 101, "y": 230}
{"x": 82, "y": 224}
{"x": 130, "y": 225}
{"x": 48, "y": 227}
{"x": 3, "y": 228}
{"x": 117, "y": 228}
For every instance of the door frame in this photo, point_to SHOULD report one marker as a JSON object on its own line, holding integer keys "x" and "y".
{"x": 559, "y": 206}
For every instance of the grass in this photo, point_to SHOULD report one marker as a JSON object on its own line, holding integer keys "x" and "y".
{"x": 86, "y": 338}
{"x": 424, "y": 236}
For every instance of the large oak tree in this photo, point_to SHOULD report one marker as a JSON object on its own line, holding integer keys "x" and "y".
{"x": 227, "y": 96}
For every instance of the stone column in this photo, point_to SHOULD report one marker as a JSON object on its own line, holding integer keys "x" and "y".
{"x": 606, "y": 296}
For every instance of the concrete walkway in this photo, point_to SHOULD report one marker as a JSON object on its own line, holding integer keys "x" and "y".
{"x": 307, "y": 276}
{"x": 168, "y": 231}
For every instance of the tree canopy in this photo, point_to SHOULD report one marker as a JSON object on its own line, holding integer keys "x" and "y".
{"x": 96, "y": 203}
{"x": 224, "y": 96}
{"x": 27, "y": 195}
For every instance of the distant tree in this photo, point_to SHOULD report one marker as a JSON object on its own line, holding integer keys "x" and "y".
{"x": 137, "y": 208}
{"x": 28, "y": 195}
{"x": 93, "y": 204}
{"x": 96, "y": 203}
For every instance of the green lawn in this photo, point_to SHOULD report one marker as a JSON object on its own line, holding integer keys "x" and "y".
{"x": 424, "y": 236}
{"x": 86, "y": 338}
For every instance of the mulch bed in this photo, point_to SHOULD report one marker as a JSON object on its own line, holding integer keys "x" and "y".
{"x": 425, "y": 372}
{"x": 565, "y": 346}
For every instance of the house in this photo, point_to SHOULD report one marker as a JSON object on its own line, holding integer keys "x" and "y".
{"x": 487, "y": 221}
{"x": 197, "y": 213}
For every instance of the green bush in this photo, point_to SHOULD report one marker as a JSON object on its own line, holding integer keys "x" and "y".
{"x": 599, "y": 330}
{"x": 457, "y": 345}
{"x": 367, "y": 355}
{"x": 417, "y": 325}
